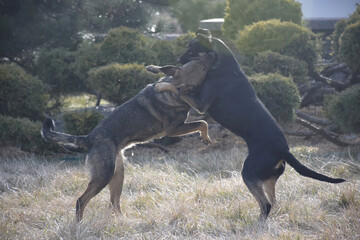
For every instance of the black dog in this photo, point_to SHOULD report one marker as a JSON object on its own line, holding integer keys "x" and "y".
{"x": 230, "y": 99}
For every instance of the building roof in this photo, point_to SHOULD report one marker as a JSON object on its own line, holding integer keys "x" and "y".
{"x": 328, "y": 8}
{"x": 321, "y": 24}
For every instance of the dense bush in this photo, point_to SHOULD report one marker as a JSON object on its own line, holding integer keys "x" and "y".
{"x": 21, "y": 95}
{"x": 273, "y": 62}
{"x": 119, "y": 82}
{"x": 350, "y": 46}
{"x": 278, "y": 93}
{"x": 344, "y": 110}
{"x": 22, "y": 133}
{"x": 55, "y": 67}
{"x": 81, "y": 123}
{"x": 163, "y": 53}
{"x": 284, "y": 37}
{"x": 240, "y": 13}
{"x": 125, "y": 45}
{"x": 340, "y": 28}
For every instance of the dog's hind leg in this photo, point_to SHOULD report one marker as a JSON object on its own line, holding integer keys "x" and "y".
{"x": 269, "y": 184}
{"x": 116, "y": 183}
{"x": 269, "y": 187}
{"x": 101, "y": 160}
{"x": 255, "y": 185}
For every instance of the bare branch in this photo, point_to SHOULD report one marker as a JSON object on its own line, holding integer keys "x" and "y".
{"x": 326, "y": 134}
{"x": 339, "y": 86}
{"x": 312, "y": 119}
{"x": 299, "y": 133}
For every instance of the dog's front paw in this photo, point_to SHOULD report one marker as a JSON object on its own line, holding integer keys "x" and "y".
{"x": 206, "y": 140}
{"x": 152, "y": 68}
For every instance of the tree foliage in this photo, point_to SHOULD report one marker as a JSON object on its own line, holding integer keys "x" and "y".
{"x": 56, "y": 68}
{"x": 101, "y": 16}
{"x": 26, "y": 25}
{"x": 190, "y": 12}
{"x": 125, "y": 45}
{"x": 239, "y": 13}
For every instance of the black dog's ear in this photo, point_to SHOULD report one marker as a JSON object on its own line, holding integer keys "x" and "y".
{"x": 204, "y": 40}
{"x": 170, "y": 70}
{"x": 204, "y": 31}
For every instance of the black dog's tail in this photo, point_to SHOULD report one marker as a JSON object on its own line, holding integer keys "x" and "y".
{"x": 303, "y": 170}
{"x": 70, "y": 142}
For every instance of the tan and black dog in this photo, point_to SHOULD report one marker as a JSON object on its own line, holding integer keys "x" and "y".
{"x": 227, "y": 95}
{"x": 148, "y": 115}
{"x": 178, "y": 84}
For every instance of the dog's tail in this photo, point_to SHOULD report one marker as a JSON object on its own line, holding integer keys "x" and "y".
{"x": 303, "y": 170}
{"x": 68, "y": 141}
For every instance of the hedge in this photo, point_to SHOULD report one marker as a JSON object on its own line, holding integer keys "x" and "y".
{"x": 21, "y": 95}
{"x": 284, "y": 37}
{"x": 350, "y": 46}
{"x": 344, "y": 108}
{"x": 81, "y": 123}
{"x": 23, "y": 133}
{"x": 278, "y": 93}
{"x": 273, "y": 62}
{"x": 119, "y": 82}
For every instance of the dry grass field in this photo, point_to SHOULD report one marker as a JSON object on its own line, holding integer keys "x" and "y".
{"x": 193, "y": 192}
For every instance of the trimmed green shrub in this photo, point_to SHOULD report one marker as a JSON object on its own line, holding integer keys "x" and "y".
{"x": 55, "y": 67}
{"x": 163, "y": 53}
{"x": 284, "y": 37}
{"x": 81, "y": 123}
{"x": 350, "y": 47}
{"x": 239, "y": 13}
{"x": 21, "y": 95}
{"x": 273, "y": 62}
{"x": 23, "y": 133}
{"x": 344, "y": 108}
{"x": 119, "y": 82}
{"x": 340, "y": 28}
{"x": 126, "y": 45}
{"x": 278, "y": 93}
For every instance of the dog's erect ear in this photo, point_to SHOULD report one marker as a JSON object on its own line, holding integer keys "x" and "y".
{"x": 204, "y": 31}
{"x": 204, "y": 40}
{"x": 170, "y": 70}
